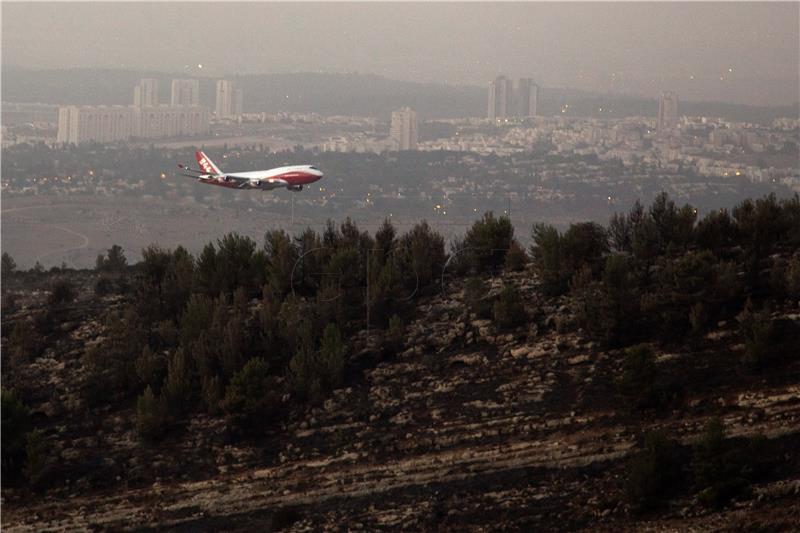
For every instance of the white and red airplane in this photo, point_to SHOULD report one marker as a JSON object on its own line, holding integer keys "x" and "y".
{"x": 292, "y": 178}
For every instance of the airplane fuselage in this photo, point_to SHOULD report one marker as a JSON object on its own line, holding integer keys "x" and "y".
{"x": 294, "y": 176}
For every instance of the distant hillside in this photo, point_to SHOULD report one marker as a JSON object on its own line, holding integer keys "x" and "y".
{"x": 351, "y": 94}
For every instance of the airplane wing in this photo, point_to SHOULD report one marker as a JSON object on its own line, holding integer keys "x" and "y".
{"x": 190, "y": 172}
{"x": 273, "y": 183}
{"x": 247, "y": 182}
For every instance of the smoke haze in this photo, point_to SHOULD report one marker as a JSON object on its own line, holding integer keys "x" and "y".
{"x": 739, "y": 52}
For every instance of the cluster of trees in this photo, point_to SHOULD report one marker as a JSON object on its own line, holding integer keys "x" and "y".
{"x": 25, "y": 451}
{"x": 714, "y": 468}
{"x": 658, "y": 270}
{"x": 234, "y": 329}
{"x": 488, "y": 245}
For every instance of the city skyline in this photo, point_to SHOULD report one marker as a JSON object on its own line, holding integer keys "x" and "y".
{"x": 743, "y": 53}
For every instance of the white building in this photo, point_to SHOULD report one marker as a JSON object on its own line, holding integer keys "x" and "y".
{"x": 527, "y": 98}
{"x": 106, "y": 124}
{"x": 171, "y": 121}
{"x": 500, "y": 98}
{"x": 404, "y": 129}
{"x": 667, "y": 112}
{"x": 229, "y": 99}
{"x": 185, "y": 93}
{"x": 103, "y": 124}
{"x": 146, "y": 93}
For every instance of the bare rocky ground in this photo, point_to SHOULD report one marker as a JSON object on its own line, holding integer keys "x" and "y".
{"x": 467, "y": 429}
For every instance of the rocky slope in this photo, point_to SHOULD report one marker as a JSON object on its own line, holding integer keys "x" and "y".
{"x": 467, "y": 429}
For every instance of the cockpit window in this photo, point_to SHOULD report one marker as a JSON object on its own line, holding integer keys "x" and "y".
{"x": 313, "y": 168}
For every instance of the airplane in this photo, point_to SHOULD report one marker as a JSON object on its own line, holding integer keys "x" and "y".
{"x": 292, "y": 178}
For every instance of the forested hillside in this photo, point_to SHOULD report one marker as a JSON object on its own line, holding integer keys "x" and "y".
{"x": 642, "y": 374}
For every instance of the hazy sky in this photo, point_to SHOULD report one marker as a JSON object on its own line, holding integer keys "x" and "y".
{"x": 743, "y": 52}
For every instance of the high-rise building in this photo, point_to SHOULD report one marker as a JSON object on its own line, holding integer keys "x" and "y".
{"x": 145, "y": 119}
{"x": 146, "y": 93}
{"x": 404, "y": 129}
{"x": 238, "y": 101}
{"x": 102, "y": 124}
{"x": 667, "y": 112}
{"x": 500, "y": 98}
{"x": 229, "y": 99}
{"x": 171, "y": 121}
{"x": 185, "y": 92}
{"x": 105, "y": 124}
{"x": 526, "y": 98}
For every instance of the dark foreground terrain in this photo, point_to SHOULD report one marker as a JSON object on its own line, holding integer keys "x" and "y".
{"x": 464, "y": 430}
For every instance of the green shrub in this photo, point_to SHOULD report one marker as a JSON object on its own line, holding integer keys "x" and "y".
{"x": 112, "y": 363}
{"x": 62, "y": 292}
{"x": 252, "y": 395}
{"x": 196, "y": 319}
{"x": 39, "y": 461}
{"x": 723, "y": 469}
{"x": 332, "y": 356}
{"x": 151, "y": 368}
{"x": 516, "y": 258}
{"x": 508, "y": 310}
{"x": 233, "y": 347}
{"x": 151, "y": 415}
{"x": 104, "y": 285}
{"x": 8, "y": 265}
{"x": 547, "y": 252}
{"x": 114, "y": 261}
{"x": 715, "y": 231}
{"x": 420, "y": 257}
{"x": 476, "y": 297}
{"x": 585, "y": 243}
{"x": 698, "y": 318}
{"x": 487, "y": 242}
{"x": 395, "y": 335}
{"x": 673, "y": 225}
{"x": 304, "y": 375}
{"x": 281, "y": 257}
{"x": 641, "y": 384}
{"x": 381, "y": 292}
{"x": 757, "y": 330}
{"x": 652, "y": 475}
{"x": 608, "y": 309}
{"x": 167, "y": 334}
{"x": 212, "y": 394}
{"x": 311, "y": 374}
{"x": 761, "y": 223}
{"x": 177, "y": 389}
{"x": 792, "y": 281}
{"x": 15, "y": 426}
{"x": 22, "y": 342}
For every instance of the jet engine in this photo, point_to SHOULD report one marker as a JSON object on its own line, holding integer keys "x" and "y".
{"x": 295, "y": 188}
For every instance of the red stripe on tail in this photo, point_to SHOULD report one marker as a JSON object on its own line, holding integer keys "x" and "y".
{"x": 206, "y": 164}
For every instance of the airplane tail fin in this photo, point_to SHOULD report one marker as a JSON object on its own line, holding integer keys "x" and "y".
{"x": 206, "y": 164}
